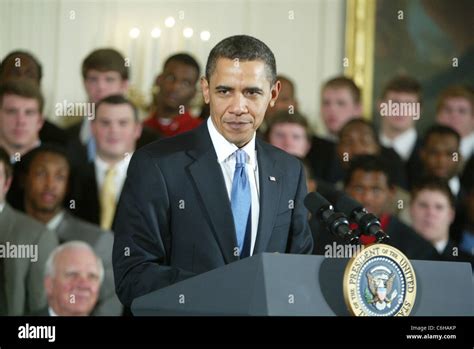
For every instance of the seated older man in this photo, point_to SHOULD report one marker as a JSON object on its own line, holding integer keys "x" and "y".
{"x": 73, "y": 277}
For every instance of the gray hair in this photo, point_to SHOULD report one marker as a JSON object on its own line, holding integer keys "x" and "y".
{"x": 50, "y": 269}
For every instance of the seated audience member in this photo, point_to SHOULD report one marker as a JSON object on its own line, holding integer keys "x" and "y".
{"x": 21, "y": 290}
{"x": 98, "y": 185}
{"x": 455, "y": 108}
{"x": 286, "y": 102}
{"x": 105, "y": 73}
{"x": 176, "y": 88}
{"x": 290, "y": 132}
{"x": 21, "y": 118}
{"x": 397, "y": 126}
{"x": 23, "y": 65}
{"x": 46, "y": 184}
{"x": 440, "y": 156}
{"x": 340, "y": 102}
{"x": 72, "y": 280}
{"x": 369, "y": 182}
{"x": 432, "y": 211}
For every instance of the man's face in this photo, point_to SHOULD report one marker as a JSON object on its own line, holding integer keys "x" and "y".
{"x": 400, "y": 123}
{"x": 285, "y": 100}
{"x": 46, "y": 182}
{"x": 431, "y": 215}
{"x": 371, "y": 190}
{"x": 74, "y": 289}
{"x": 177, "y": 85}
{"x": 20, "y": 121}
{"x": 115, "y": 130}
{"x": 239, "y": 94}
{"x": 438, "y": 156}
{"x": 337, "y": 108}
{"x": 100, "y": 84}
{"x": 20, "y": 66}
{"x": 291, "y": 138}
{"x": 357, "y": 140}
{"x": 457, "y": 113}
{"x": 4, "y": 183}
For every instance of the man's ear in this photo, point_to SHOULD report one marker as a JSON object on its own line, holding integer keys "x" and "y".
{"x": 205, "y": 90}
{"x": 275, "y": 91}
{"x": 48, "y": 285}
{"x": 124, "y": 87}
{"x": 358, "y": 109}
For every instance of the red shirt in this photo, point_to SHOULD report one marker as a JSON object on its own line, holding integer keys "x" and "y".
{"x": 179, "y": 124}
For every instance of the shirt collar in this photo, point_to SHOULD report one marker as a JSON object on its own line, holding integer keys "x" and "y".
{"x": 55, "y": 221}
{"x": 441, "y": 245}
{"x": 52, "y": 312}
{"x": 224, "y": 149}
{"x": 467, "y": 146}
{"x": 103, "y": 166}
{"x": 455, "y": 185}
{"x": 403, "y": 144}
{"x": 2, "y": 205}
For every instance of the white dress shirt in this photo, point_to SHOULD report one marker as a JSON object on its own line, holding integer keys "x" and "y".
{"x": 455, "y": 185}
{"x": 51, "y": 312}
{"x": 403, "y": 144}
{"x": 55, "y": 221}
{"x": 467, "y": 146}
{"x": 101, "y": 168}
{"x": 2, "y": 205}
{"x": 441, "y": 245}
{"x": 226, "y": 158}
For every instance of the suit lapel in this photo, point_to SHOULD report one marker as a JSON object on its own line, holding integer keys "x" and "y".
{"x": 210, "y": 186}
{"x": 270, "y": 179}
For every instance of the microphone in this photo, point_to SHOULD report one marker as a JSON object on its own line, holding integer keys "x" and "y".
{"x": 336, "y": 222}
{"x": 368, "y": 223}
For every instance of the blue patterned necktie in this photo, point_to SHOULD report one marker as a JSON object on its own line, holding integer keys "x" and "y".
{"x": 241, "y": 202}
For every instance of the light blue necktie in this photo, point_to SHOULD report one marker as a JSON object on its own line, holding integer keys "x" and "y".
{"x": 241, "y": 200}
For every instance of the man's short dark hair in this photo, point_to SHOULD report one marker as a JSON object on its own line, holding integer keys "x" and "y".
{"x": 344, "y": 82}
{"x": 403, "y": 83}
{"x": 7, "y": 165}
{"x": 433, "y": 184}
{"x": 441, "y": 130}
{"x": 244, "y": 48}
{"x": 283, "y": 117}
{"x": 369, "y": 163}
{"x": 185, "y": 59}
{"x": 284, "y": 78}
{"x": 26, "y": 88}
{"x": 105, "y": 59}
{"x": 49, "y": 148}
{"x": 362, "y": 122}
{"x": 24, "y": 53}
{"x": 117, "y": 99}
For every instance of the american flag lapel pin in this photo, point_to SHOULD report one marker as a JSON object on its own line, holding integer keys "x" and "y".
{"x": 273, "y": 179}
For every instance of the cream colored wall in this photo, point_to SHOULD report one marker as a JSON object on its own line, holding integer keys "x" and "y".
{"x": 306, "y": 36}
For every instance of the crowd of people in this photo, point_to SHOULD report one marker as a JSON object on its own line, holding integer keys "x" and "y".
{"x": 59, "y": 187}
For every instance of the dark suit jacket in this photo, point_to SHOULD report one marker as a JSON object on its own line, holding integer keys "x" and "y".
{"x": 174, "y": 219}
{"x": 85, "y": 193}
{"x": 22, "y": 280}
{"x": 72, "y": 228}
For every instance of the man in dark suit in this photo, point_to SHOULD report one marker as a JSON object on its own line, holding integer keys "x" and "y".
{"x": 369, "y": 181}
{"x": 46, "y": 182}
{"x": 209, "y": 197}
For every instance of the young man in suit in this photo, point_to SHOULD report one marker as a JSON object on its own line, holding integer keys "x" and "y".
{"x": 369, "y": 181}
{"x": 46, "y": 186}
{"x": 214, "y": 195}
{"x": 72, "y": 280}
{"x": 21, "y": 289}
{"x": 116, "y": 129}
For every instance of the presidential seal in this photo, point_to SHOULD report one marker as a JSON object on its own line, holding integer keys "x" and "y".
{"x": 379, "y": 281}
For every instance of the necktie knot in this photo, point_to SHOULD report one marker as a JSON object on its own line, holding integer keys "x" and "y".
{"x": 240, "y": 158}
